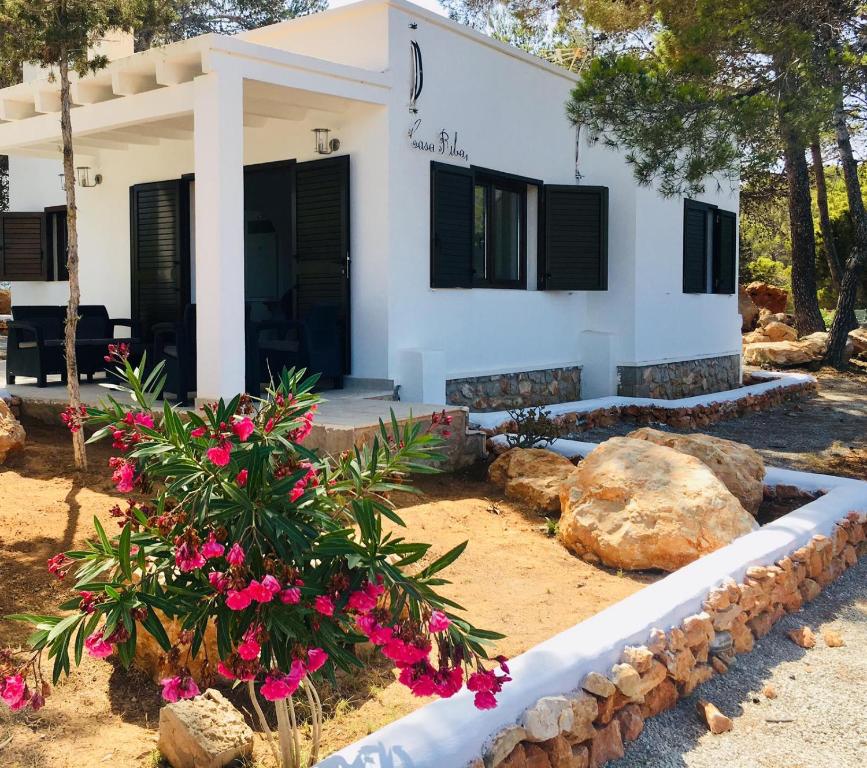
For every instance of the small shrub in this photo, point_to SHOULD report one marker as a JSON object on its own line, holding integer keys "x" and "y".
{"x": 534, "y": 428}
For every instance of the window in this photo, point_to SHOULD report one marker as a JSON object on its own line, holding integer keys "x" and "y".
{"x": 33, "y": 245}
{"x": 499, "y": 233}
{"x": 709, "y": 249}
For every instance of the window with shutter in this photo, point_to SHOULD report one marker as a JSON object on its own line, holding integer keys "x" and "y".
{"x": 575, "y": 254}
{"x": 695, "y": 246}
{"x": 452, "y": 226}
{"x": 23, "y": 253}
{"x": 725, "y": 252}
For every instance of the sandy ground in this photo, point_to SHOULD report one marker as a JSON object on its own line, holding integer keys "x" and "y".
{"x": 818, "y": 718}
{"x": 104, "y": 714}
{"x": 826, "y": 434}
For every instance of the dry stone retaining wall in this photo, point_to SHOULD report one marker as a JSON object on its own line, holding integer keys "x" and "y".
{"x": 519, "y": 389}
{"x": 682, "y": 378}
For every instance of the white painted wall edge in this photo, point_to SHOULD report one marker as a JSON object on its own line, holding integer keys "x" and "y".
{"x": 451, "y": 732}
{"x": 775, "y": 380}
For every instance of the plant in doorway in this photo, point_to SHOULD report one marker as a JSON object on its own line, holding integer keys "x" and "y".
{"x": 281, "y": 550}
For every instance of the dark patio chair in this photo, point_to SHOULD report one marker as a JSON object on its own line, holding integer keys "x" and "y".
{"x": 96, "y": 330}
{"x": 313, "y": 343}
{"x": 35, "y": 343}
{"x": 175, "y": 345}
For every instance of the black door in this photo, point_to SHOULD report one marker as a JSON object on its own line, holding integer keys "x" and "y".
{"x": 322, "y": 240}
{"x": 160, "y": 250}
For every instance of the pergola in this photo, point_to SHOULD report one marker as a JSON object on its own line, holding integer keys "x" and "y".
{"x": 206, "y": 90}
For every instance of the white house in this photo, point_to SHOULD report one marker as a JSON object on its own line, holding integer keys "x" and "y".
{"x": 477, "y": 249}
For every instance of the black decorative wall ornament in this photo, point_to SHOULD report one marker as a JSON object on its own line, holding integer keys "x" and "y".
{"x": 417, "y": 81}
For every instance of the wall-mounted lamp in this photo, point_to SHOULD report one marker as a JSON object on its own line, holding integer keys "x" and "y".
{"x": 324, "y": 145}
{"x": 82, "y": 178}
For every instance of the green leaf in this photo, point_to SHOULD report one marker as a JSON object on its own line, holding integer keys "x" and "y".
{"x": 123, "y": 549}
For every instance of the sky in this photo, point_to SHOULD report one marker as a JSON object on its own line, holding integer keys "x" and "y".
{"x": 431, "y": 5}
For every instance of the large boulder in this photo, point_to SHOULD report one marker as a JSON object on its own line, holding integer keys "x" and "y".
{"x": 5, "y": 302}
{"x": 765, "y": 295}
{"x": 748, "y": 310}
{"x": 783, "y": 354}
{"x": 636, "y": 505}
{"x": 12, "y": 435}
{"x": 777, "y": 331}
{"x": 532, "y": 476}
{"x": 858, "y": 339}
{"x": 754, "y": 337}
{"x": 739, "y": 467}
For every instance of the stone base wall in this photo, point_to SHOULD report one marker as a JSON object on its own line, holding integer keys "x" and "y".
{"x": 684, "y": 378}
{"x": 592, "y": 726}
{"x": 521, "y": 389}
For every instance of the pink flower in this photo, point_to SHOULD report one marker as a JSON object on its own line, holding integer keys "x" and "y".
{"x": 188, "y": 557}
{"x": 249, "y": 649}
{"x": 259, "y": 592}
{"x": 178, "y": 687}
{"x": 241, "y": 478}
{"x": 361, "y": 602}
{"x": 123, "y": 476}
{"x": 97, "y": 647}
{"x": 482, "y": 681}
{"x": 199, "y": 432}
{"x": 144, "y": 420}
{"x": 275, "y": 688}
{"x": 243, "y": 429}
{"x": 406, "y": 653}
{"x": 316, "y": 658}
{"x": 225, "y": 670}
{"x": 324, "y": 605}
{"x": 269, "y": 426}
{"x": 485, "y": 700}
{"x": 271, "y": 584}
{"x": 57, "y": 565}
{"x": 218, "y": 455}
{"x": 296, "y": 493}
{"x": 238, "y": 600}
{"x": 439, "y": 622}
{"x": 218, "y": 581}
{"x": 448, "y": 682}
{"x": 290, "y": 596}
{"x": 212, "y": 547}
{"x": 236, "y": 555}
{"x": 13, "y": 692}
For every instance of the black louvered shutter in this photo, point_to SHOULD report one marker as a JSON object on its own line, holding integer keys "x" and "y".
{"x": 575, "y": 253}
{"x": 725, "y": 253}
{"x": 159, "y": 237}
{"x": 322, "y": 239}
{"x": 451, "y": 226}
{"x": 23, "y": 253}
{"x": 694, "y": 247}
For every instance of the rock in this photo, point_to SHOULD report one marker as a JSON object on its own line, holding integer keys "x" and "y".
{"x": 659, "y": 699}
{"x": 698, "y": 629}
{"x": 784, "y": 353}
{"x": 754, "y": 337}
{"x": 12, "y": 434}
{"x": 636, "y": 505}
{"x": 558, "y": 752}
{"x": 627, "y": 680}
{"x": 716, "y": 721}
{"x": 536, "y": 756}
{"x": 810, "y": 590}
{"x": 150, "y": 657}
{"x": 679, "y": 664}
{"x": 607, "y": 745}
{"x": 5, "y": 301}
{"x": 719, "y": 666}
{"x": 652, "y": 678}
{"x": 547, "y": 718}
{"x": 723, "y": 620}
{"x": 832, "y": 638}
{"x": 580, "y": 756}
{"x": 516, "y": 759}
{"x": 699, "y": 674}
{"x": 503, "y": 744}
{"x": 585, "y": 709}
{"x": 205, "y": 732}
{"x": 657, "y": 642}
{"x": 747, "y": 309}
{"x": 777, "y": 331}
{"x": 766, "y": 296}
{"x": 631, "y": 722}
{"x": 769, "y": 691}
{"x": 532, "y": 476}
{"x": 599, "y": 685}
{"x": 803, "y": 637}
{"x": 858, "y": 338}
{"x": 740, "y": 468}
{"x": 743, "y": 639}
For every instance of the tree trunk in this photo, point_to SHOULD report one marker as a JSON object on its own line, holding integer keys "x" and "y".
{"x": 855, "y": 265}
{"x": 808, "y": 318}
{"x": 78, "y": 448}
{"x": 825, "y": 217}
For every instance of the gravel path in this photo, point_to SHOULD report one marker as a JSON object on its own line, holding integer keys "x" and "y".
{"x": 826, "y": 434}
{"x": 821, "y": 705}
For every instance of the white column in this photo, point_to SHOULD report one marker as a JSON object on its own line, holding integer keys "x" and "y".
{"x": 218, "y": 142}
